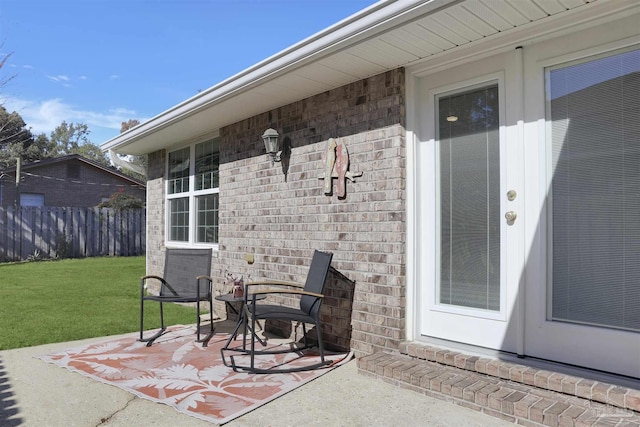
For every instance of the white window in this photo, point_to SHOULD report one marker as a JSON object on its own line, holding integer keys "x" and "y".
{"x": 192, "y": 194}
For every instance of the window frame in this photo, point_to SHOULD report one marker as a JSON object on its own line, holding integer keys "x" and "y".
{"x": 191, "y": 195}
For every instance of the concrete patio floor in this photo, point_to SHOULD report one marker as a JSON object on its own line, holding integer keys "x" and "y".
{"x": 35, "y": 393}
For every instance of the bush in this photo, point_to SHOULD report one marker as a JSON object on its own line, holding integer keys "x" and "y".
{"x": 121, "y": 202}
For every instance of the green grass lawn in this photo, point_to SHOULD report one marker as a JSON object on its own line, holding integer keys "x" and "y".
{"x": 56, "y": 301}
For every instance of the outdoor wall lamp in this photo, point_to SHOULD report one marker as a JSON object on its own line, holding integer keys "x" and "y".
{"x": 270, "y": 138}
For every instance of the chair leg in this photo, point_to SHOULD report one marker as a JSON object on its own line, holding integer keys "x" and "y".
{"x": 198, "y": 320}
{"x": 253, "y": 341}
{"x": 141, "y": 317}
{"x": 205, "y": 341}
{"x": 320, "y": 343}
{"x": 304, "y": 335}
{"x": 152, "y": 338}
{"x": 252, "y": 352}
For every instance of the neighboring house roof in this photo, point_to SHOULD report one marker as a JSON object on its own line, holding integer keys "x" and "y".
{"x": 385, "y": 36}
{"x": 74, "y": 158}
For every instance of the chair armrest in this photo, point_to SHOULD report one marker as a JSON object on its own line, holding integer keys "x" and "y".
{"x": 163, "y": 283}
{"x": 274, "y": 283}
{"x": 285, "y": 287}
{"x": 287, "y": 291}
{"x": 152, "y": 276}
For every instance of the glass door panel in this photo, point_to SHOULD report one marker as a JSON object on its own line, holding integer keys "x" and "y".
{"x": 469, "y": 199}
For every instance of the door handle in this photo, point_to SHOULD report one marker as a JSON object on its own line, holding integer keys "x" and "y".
{"x": 510, "y": 217}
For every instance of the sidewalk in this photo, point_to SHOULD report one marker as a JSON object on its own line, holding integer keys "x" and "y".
{"x": 35, "y": 393}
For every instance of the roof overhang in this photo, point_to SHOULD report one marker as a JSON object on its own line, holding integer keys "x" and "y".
{"x": 385, "y": 36}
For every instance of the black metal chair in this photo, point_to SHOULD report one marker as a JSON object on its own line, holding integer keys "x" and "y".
{"x": 185, "y": 280}
{"x": 308, "y": 312}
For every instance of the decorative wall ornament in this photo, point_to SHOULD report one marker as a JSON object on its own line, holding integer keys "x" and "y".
{"x": 336, "y": 165}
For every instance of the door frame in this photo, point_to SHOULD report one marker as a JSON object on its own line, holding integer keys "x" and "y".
{"x": 596, "y": 34}
{"x": 421, "y": 159}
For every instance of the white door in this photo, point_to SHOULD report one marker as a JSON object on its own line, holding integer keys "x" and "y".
{"x": 560, "y": 280}
{"x": 468, "y": 173}
{"x": 583, "y": 269}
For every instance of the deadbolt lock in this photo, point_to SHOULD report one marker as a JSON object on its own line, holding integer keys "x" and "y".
{"x": 511, "y": 195}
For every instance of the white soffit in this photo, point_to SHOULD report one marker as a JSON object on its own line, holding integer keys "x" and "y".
{"x": 385, "y": 36}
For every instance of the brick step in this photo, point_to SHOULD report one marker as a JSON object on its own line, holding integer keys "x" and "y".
{"x": 509, "y": 400}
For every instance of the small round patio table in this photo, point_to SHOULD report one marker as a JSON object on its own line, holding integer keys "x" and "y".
{"x": 229, "y": 299}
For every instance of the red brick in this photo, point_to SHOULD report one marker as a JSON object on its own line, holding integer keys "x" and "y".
{"x": 505, "y": 370}
{"x": 416, "y": 375}
{"x": 528, "y": 376}
{"x": 469, "y": 392}
{"x": 523, "y": 406}
{"x": 584, "y": 387}
{"x": 568, "y": 417}
{"x": 493, "y": 368}
{"x": 616, "y": 395}
{"x": 569, "y": 385}
{"x": 508, "y": 403}
{"x": 555, "y": 382}
{"x": 470, "y": 363}
{"x": 496, "y": 398}
{"x": 450, "y": 358}
{"x": 447, "y": 386}
{"x": 481, "y": 365}
{"x": 436, "y": 383}
{"x": 515, "y": 373}
{"x": 482, "y": 395}
{"x": 541, "y": 379}
{"x": 600, "y": 391}
{"x": 536, "y": 412}
{"x": 460, "y": 361}
{"x": 550, "y": 417}
{"x": 632, "y": 400}
{"x": 425, "y": 381}
{"x": 457, "y": 389}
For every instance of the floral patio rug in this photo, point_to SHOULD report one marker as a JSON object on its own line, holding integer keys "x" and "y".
{"x": 179, "y": 372}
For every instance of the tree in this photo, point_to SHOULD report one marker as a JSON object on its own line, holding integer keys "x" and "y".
{"x": 135, "y": 160}
{"x": 131, "y": 123}
{"x": 70, "y": 138}
{"x": 67, "y": 137}
{"x": 15, "y": 137}
{"x": 3, "y": 62}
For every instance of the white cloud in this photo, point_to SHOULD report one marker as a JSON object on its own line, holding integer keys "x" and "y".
{"x": 45, "y": 116}
{"x": 59, "y": 78}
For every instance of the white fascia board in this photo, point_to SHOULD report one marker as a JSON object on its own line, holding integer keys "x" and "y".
{"x": 368, "y": 23}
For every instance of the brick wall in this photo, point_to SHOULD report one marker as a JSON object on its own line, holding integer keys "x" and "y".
{"x": 87, "y": 189}
{"x": 155, "y": 212}
{"x": 280, "y": 213}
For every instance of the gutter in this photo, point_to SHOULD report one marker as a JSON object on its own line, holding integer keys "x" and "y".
{"x": 364, "y": 25}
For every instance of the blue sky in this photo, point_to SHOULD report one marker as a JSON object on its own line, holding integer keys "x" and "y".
{"x": 102, "y": 62}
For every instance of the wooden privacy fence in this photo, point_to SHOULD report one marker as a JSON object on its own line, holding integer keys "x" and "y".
{"x": 50, "y": 232}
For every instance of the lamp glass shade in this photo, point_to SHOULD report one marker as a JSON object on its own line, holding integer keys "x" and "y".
{"x": 270, "y": 137}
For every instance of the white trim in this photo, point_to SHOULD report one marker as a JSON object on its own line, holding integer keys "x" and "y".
{"x": 433, "y": 95}
{"x": 192, "y": 195}
{"x": 411, "y": 214}
{"x": 518, "y": 95}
